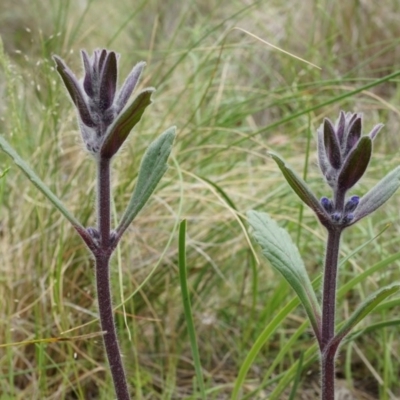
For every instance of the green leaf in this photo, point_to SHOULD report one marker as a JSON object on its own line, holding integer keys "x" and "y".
{"x": 124, "y": 123}
{"x": 152, "y": 169}
{"x": 261, "y": 340}
{"x": 6, "y": 147}
{"x": 301, "y": 189}
{"x": 362, "y": 311}
{"x": 378, "y": 195}
{"x": 4, "y": 173}
{"x": 187, "y": 308}
{"x": 282, "y": 253}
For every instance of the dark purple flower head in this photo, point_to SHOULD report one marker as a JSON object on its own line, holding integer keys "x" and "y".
{"x": 343, "y": 152}
{"x": 104, "y": 121}
{"x": 343, "y": 155}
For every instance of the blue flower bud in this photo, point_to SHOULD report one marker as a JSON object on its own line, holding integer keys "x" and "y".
{"x": 327, "y": 204}
{"x": 336, "y": 217}
{"x": 348, "y": 218}
{"x": 351, "y": 204}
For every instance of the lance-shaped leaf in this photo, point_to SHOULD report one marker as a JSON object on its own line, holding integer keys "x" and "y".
{"x": 331, "y": 144}
{"x": 362, "y": 311}
{"x": 7, "y": 148}
{"x": 323, "y": 162}
{"x": 375, "y": 130}
{"x": 282, "y": 253}
{"x": 124, "y": 123}
{"x": 354, "y": 134}
{"x": 355, "y": 164}
{"x": 129, "y": 85}
{"x": 108, "y": 82}
{"x": 152, "y": 169}
{"x": 88, "y": 79}
{"x": 378, "y": 195}
{"x": 74, "y": 90}
{"x": 340, "y": 125}
{"x": 301, "y": 189}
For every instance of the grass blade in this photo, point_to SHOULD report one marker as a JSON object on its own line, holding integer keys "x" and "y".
{"x": 188, "y": 308}
{"x": 297, "y": 378}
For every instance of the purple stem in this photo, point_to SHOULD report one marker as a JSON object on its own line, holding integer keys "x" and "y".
{"x": 102, "y": 256}
{"x": 104, "y": 201}
{"x": 328, "y": 313}
{"x": 328, "y": 373}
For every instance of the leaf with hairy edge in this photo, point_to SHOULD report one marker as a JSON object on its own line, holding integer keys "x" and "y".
{"x": 74, "y": 90}
{"x": 282, "y": 253}
{"x": 362, "y": 311}
{"x": 152, "y": 169}
{"x": 129, "y": 85}
{"x": 331, "y": 144}
{"x": 378, "y": 195}
{"x": 6, "y": 147}
{"x": 355, "y": 164}
{"x": 124, "y": 123}
{"x": 301, "y": 189}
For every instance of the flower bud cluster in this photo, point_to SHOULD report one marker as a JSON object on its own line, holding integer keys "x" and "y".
{"x": 96, "y": 98}
{"x": 343, "y": 153}
{"x": 338, "y": 217}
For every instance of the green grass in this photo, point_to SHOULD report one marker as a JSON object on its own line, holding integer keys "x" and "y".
{"x": 232, "y": 99}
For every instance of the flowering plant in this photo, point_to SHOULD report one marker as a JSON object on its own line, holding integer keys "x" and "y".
{"x": 105, "y": 119}
{"x": 343, "y": 155}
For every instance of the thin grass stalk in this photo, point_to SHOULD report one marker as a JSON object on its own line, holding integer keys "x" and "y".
{"x": 188, "y": 309}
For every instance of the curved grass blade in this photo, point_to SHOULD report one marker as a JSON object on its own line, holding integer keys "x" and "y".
{"x": 297, "y": 378}
{"x": 282, "y": 253}
{"x": 188, "y": 308}
{"x": 4, "y": 173}
{"x": 152, "y": 169}
{"x": 259, "y": 343}
{"x": 362, "y": 311}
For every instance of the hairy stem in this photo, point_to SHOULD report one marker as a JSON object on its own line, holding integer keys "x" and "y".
{"x": 104, "y": 202}
{"x": 102, "y": 256}
{"x": 328, "y": 312}
{"x": 328, "y": 374}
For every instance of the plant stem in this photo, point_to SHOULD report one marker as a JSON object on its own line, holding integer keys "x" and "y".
{"x": 102, "y": 256}
{"x": 328, "y": 312}
{"x": 108, "y": 326}
{"x": 104, "y": 202}
{"x": 328, "y": 374}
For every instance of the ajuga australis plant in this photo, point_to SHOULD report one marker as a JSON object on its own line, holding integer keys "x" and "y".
{"x": 343, "y": 155}
{"x": 106, "y": 118}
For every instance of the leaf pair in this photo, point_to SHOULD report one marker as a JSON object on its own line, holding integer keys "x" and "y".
{"x": 152, "y": 169}
{"x": 284, "y": 256}
{"x": 371, "y": 201}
